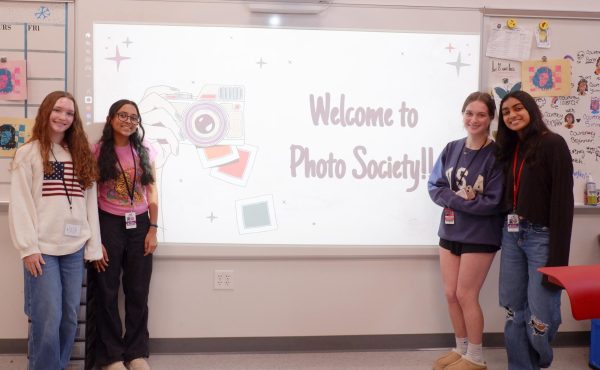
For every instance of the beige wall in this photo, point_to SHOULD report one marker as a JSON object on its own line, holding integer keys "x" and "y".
{"x": 298, "y": 296}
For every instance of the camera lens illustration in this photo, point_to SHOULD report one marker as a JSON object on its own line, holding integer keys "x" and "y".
{"x": 205, "y": 124}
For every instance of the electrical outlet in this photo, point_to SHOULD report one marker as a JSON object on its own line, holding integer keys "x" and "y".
{"x": 223, "y": 279}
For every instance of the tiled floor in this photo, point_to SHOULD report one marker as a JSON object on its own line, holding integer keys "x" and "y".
{"x": 565, "y": 359}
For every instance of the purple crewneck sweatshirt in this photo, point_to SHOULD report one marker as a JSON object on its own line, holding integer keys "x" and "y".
{"x": 476, "y": 221}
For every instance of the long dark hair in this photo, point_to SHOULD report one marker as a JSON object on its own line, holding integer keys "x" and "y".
{"x": 107, "y": 159}
{"x": 507, "y": 139}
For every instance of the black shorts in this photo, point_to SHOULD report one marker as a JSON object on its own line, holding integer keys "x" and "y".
{"x": 458, "y": 248}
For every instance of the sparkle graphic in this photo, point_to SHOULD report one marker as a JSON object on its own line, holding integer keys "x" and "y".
{"x": 118, "y": 58}
{"x": 128, "y": 42}
{"x": 42, "y": 13}
{"x": 261, "y": 63}
{"x": 458, "y": 64}
{"x": 450, "y": 47}
{"x": 211, "y": 217}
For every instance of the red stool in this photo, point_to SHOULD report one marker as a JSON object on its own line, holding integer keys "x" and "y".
{"x": 582, "y": 284}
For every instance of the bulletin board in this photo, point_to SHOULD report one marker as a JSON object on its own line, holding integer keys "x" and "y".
{"x": 572, "y": 55}
{"x": 40, "y": 34}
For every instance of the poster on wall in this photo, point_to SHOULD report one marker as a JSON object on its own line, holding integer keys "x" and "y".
{"x": 13, "y": 80}
{"x": 576, "y": 116}
{"x": 546, "y": 78}
{"x": 14, "y": 132}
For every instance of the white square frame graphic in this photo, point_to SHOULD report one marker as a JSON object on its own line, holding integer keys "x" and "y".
{"x": 239, "y": 206}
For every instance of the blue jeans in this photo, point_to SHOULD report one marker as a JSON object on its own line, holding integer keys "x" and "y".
{"x": 532, "y": 310}
{"x": 51, "y": 303}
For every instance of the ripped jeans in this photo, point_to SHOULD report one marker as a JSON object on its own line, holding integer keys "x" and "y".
{"x": 532, "y": 310}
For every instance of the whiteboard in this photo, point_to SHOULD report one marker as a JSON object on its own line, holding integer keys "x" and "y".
{"x": 357, "y": 58}
{"x": 317, "y": 137}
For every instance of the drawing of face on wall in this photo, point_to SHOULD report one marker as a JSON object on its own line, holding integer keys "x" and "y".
{"x": 543, "y": 78}
{"x": 7, "y": 137}
{"x": 595, "y": 105}
{"x": 582, "y": 87}
{"x": 580, "y": 56}
{"x": 569, "y": 120}
{"x": 5, "y": 81}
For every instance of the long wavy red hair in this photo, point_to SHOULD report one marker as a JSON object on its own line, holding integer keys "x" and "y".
{"x": 83, "y": 160}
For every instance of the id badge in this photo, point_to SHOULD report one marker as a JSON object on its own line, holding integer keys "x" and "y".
{"x": 448, "y": 216}
{"x": 512, "y": 223}
{"x": 72, "y": 228}
{"x": 130, "y": 222}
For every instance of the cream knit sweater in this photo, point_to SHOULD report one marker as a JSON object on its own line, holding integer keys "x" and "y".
{"x": 39, "y": 209}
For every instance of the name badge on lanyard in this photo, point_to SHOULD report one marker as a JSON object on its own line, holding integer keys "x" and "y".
{"x": 512, "y": 223}
{"x": 130, "y": 222}
{"x": 448, "y": 216}
{"x": 72, "y": 228}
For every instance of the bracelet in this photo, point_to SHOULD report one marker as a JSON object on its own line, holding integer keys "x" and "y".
{"x": 153, "y": 225}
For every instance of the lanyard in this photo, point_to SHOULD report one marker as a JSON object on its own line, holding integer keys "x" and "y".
{"x": 516, "y": 177}
{"x": 470, "y": 162}
{"x": 131, "y": 192}
{"x": 64, "y": 182}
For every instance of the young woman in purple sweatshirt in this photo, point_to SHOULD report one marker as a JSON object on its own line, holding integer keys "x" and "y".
{"x": 467, "y": 182}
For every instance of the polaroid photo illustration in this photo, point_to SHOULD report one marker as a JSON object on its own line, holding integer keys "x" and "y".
{"x": 14, "y": 132}
{"x": 13, "y": 80}
{"x": 256, "y": 214}
{"x": 237, "y": 172}
{"x": 218, "y": 155}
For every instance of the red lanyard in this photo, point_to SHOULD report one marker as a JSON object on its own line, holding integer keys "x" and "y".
{"x": 516, "y": 177}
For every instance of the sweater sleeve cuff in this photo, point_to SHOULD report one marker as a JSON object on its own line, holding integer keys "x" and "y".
{"x": 29, "y": 251}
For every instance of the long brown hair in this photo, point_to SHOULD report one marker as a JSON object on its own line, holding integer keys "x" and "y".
{"x": 75, "y": 137}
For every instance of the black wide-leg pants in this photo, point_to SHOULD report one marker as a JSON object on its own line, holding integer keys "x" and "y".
{"x": 126, "y": 263}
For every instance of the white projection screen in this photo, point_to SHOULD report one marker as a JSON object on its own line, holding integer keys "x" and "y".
{"x": 288, "y": 135}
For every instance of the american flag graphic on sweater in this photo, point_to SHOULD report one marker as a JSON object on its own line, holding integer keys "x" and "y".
{"x": 53, "y": 183}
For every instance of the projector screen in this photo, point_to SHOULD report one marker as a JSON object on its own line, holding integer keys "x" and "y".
{"x": 289, "y": 136}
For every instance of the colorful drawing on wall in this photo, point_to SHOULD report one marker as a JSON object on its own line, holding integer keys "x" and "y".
{"x": 14, "y": 132}
{"x": 595, "y": 105}
{"x": 549, "y": 78}
{"x": 13, "y": 81}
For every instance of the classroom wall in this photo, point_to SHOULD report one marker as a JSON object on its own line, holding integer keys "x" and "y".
{"x": 309, "y": 296}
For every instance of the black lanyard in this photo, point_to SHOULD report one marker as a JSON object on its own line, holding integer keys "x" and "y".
{"x": 130, "y": 192}
{"x": 63, "y": 180}
{"x": 455, "y": 169}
